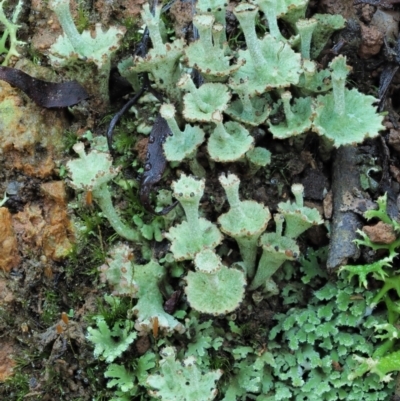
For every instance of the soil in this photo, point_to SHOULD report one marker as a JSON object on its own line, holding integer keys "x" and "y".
{"x": 47, "y": 296}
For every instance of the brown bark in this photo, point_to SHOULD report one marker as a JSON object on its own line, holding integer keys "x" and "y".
{"x": 344, "y": 223}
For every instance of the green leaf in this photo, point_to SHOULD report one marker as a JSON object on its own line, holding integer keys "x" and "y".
{"x": 316, "y": 384}
{"x": 375, "y": 268}
{"x": 343, "y": 300}
{"x": 145, "y": 363}
{"x": 310, "y": 264}
{"x": 308, "y": 327}
{"x": 283, "y": 393}
{"x": 346, "y": 339}
{"x": 309, "y": 356}
{"x": 241, "y": 352}
{"x": 249, "y": 377}
{"x": 289, "y": 322}
{"x": 326, "y": 329}
{"x": 325, "y": 311}
{"x": 121, "y": 396}
{"x": 327, "y": 292}
{"x": 327, "y": 343}
{"x": 199, "y": 348}
{"x": 121, "y": 377}
{"x": 110, "y": 344}
{"x": 295, "y": 339}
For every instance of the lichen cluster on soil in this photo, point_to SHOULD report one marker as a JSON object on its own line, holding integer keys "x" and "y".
{"x": 47, "y": 269}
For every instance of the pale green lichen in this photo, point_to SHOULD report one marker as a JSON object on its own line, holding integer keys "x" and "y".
{"x": 298, "y": 218}
{"x": 150, "y": 301}
{"x": 216, "y": 293}
{"x": 118, "y": 271}
{"x": 325, "y": 323}
{"x": 182, "y": 381}
{"x": 10, "y": 32}
{"x": 111, "y": 343}
{"x": 345, "y": 116}
{"x": 245, "y": 221}
{"x": 196, "y": 233}
{"x": 228, "y": 142}
{"x": 92, "y": 172}
{"x": 276, "y": 250}
{"x": 85, "y": 49}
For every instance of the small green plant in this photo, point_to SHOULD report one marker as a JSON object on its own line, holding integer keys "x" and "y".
{"x": 132, "y": 34}
{"x": 51, "y": 309}
{"x": 10, "y": 32}
{"x": 82, "y": 18}
{"x": 17, "y": 386}
{"x": 110, "y": 343}
{"x": 385, "y": 359}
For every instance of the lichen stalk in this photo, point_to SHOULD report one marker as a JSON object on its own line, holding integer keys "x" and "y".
{"x": 298, "y": 192}
{"x": 246, "y": 14}
{"x": 231, "y": 187}
{"x": 248, "y": 108}
{"x": 338, "y": 87}
{"x": 268, "y": 7}
{"x": 103, "y": 198}
{"x": 153, "y": 24}
{"x": 218, "y": 35}
{"x": 195, "y": 167}
{"x": 248, "y": 251}
{"x": 61, "y": 8}
{"x": 204, "y": 26}
{"x": 190, "y": 203}
{"x": 191, "y": 87}
{"x": 279, "y": 220}
{"x": 269, "y": 263}
{"x": 220, "y": 131}
{"x": 286, "y": 97}
{"x": 306, "y": 29}
{"x": 173, "y": 126}
{"x": 192, "y": 214}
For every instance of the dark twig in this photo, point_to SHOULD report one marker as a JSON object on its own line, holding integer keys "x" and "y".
{"x": 117, "y": 117}
{"x": 345, "y": 222}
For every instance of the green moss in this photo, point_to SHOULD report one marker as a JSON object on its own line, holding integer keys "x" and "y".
{"x": 16, "y": 387}
{"x": 132, "y": 35}
{"x": 82, "y": 19}
{"x": 50, "y": 308}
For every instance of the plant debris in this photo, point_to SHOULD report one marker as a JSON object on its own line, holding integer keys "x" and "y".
{"x": 45, "y": 94}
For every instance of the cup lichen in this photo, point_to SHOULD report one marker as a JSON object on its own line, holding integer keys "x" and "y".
{"x": 357, "y": 115}
{"x": 196, "y": 233}
{"x": 276, "y": 250}
{"x": 245, "y": 221}
{"x": 216, "y": 293}
{"x": 92, "y": 172}
{"x": 298, "y": 218}
{"x": 85, "y": 49}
